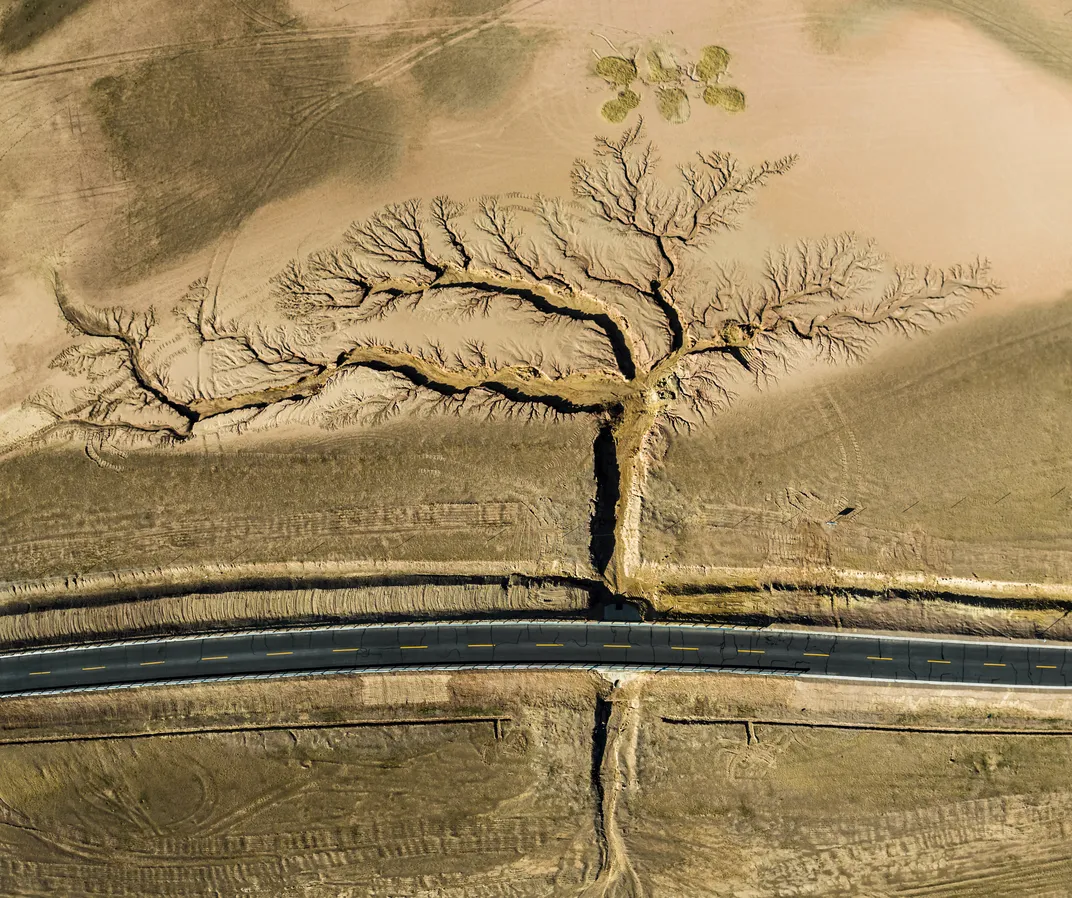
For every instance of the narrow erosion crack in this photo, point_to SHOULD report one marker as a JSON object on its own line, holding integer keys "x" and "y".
{"x": 599, "y": 748}
{"x": 673, "y": 316}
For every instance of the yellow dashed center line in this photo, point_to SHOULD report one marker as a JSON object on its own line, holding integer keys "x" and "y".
{"x": 685, "y": 648}
{"x": 816, "y": 654}
{"x": 615, "y": 645}
{"x": 101, "y": 667}
{"x": 481, "y": 645}
{"x": 346, "y": 650}
{"x": 413, "y": 646}
{"x": 547, "y": 645}
{"x": 269, "y": 654}
{"x": 148, "y": 663}
{"x": 992, "y": 664}
{"x": 878, "y": 658}
{"x": 214, "y": 658}
{"x": 1046, "y": 666}
{"x": 937, "y": 661}
{"x": 750, "y": 651}
{"x": 39, "y": 673}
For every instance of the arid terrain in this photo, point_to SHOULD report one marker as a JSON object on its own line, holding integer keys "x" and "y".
{"x": 812, "y": 802}
{"x": 498, "y": 784}
{"x": 935, "y": 469}
{"x": 418, "y": 785}
{"x": 750, "y": 311}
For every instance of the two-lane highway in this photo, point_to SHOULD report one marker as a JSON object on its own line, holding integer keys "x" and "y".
{"x": 541, "y": 643}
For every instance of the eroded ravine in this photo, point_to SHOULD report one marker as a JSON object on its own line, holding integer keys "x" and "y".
{"x": 614, "y": 740}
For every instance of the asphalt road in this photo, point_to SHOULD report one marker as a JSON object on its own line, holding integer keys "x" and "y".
{"x": 672, "y": 646}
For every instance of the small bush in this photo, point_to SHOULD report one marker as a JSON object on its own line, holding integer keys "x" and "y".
{"x": 661, "y": 68}
{"x": 616, "y": 69}
{"x": 617, "y": 109}
{"x": 713, "y": 62}
{"x": 727, "y": 97}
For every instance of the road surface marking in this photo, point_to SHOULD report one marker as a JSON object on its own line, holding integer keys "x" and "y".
{"x": 615, "y": 645}
{"x": 101, "y": 667}
{"x": 878, "y": 658}
{"x": 816, "y": 654}
{"x": 937, "y": 661}
{"x": 481, "y": 645}
{"x": 685, "y": 648}
{"x": 269, "y": 654}
{"x": 547, "y": 645}
{"x": 992, "y": 664}
{"x": 147, "y": 663}
{"x": 750, "y": 651}
{"x": 413, "y": 646}
{"x": 214, "y": 658}
{"x": 39, "y": 673}
{"x": 346, "y": 650}
{"x": 1047, "y": 666}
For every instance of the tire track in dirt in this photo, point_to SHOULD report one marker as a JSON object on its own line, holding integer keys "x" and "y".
{"x": 319, "y": 111}
{"x": 295, "y": 38}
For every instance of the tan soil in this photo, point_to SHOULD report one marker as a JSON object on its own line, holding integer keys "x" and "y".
{"x": 870, "y": 114}
{"x": 400, "y": 494}
{"x": 201, "y": 612}
{"x": 1021, "y": 617}
{"x": 732, "y": 810}
{"x": 951, "y": 455}
{"x": 293, "y": 787}
{"x": 331, "y": 807}
{"x": 254, "y": 132}
{"x": 898, "y": 110}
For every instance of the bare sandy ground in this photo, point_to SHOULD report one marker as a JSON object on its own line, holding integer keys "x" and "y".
{"x": 460, "y": 784}
{"x": 399, "y": 494}
{"x": 148, "y": 145}
{"x": 944, "y": 459}
{"x": 52, "y": 615}
{"x": 219, "y": 141}
{"x": 420, "y": 785}
{"x": 898, "y": 122}
{"x": 740, "y": 807}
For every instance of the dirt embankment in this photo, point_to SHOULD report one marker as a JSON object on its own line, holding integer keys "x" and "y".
{"x": 1022, "y": 617}
{"x": 928, "y": 490}
{"x": 296, "y": 531}
{"x": 142, "y": 605}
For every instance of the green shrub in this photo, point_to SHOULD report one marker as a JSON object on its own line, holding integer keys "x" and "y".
{"x": 727, "y": 97}
{"x": 616, "y": 69}
{"x": 617, "y": 109}
{"x": 713, "y": 62}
